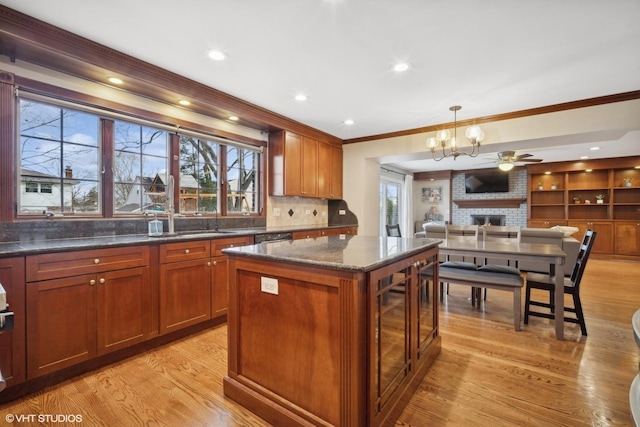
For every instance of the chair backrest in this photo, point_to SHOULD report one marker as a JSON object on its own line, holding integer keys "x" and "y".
{"x": 461, "y": 232}
{"x": 393, "y": 230}
{"x": 502, "y": 233}
{"x": 583, "y": 256}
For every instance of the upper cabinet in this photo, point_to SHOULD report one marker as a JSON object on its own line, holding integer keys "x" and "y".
{"x": 302, "y": 166}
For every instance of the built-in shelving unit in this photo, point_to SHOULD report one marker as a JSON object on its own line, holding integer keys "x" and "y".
{"x": 603, "y": 195}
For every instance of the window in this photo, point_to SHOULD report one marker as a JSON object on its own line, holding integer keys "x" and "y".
{"x": 199, "y": 179}
{"x": 242, "y": 180}
{"x": 59, "y": 156}
{"x": 391, "y": 202}
{"x": 139, "y": 168}
{"x": 64, "y": 151}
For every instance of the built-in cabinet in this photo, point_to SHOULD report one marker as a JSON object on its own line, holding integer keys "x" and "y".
{"x": 194, "y": 281}
{"x": 83, "y": 304}
{"x": 304, "y": 167}
{"x": 601, "y": 195}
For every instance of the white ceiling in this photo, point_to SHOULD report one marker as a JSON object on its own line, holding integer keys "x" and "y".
{"x": 491, "y": 57}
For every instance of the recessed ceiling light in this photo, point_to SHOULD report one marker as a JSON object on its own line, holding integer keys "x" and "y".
{"x": 115, "y": 80}
{"x": 234, "y": 118}
{"x": 348, "y": 122}
{"x": 584, "y": 157}
{"x": 217, "y": 55}
{"x": 400, "y": 67}
{"x": 184, "y": 102}
{"x": 594, "y": 148}
{"x": 301, "y": 97}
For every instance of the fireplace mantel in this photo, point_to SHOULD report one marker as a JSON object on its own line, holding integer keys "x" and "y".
{"x": 489, "y": 203}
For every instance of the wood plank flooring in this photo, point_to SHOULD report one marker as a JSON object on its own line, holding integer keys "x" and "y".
{"x": 486, "y": 375}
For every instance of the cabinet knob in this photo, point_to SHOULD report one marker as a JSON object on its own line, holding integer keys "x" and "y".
{"x": 215, "y": 262}
{"x": 186, "y": 251}
{"x": 208, "y": 263}
{"x": 102, "y": 280}
{"x": 92, "y": 282}
{"x": 96, "y": 261}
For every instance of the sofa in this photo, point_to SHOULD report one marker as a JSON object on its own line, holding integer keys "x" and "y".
{"x": 569, "y": 245}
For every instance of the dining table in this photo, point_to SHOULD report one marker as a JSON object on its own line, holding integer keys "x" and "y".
{"x": 520, "y": 252}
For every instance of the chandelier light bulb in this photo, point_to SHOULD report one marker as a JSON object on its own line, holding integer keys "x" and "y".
{"x": 474, "y": 134}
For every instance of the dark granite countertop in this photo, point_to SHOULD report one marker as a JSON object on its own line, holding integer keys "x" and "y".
{"x": 29, "y": 244}
{"x": 354, "y": 253}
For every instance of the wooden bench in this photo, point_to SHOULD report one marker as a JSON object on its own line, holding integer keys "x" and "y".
{"x": 488, "y": 279}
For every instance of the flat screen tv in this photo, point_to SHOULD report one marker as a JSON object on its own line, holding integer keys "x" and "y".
{"x": 486, "y": 182}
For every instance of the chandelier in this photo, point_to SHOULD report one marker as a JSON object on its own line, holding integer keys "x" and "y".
{"x": 443, "y": 137}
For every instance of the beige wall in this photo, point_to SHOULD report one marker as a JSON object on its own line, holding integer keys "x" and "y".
{"x": 362, "y": 160}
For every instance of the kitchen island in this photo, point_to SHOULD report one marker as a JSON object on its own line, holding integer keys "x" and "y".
{"x": 331, "y": 331}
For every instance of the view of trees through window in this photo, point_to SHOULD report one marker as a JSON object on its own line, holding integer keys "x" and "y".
{"x": 59, "y": 160}
{"x": 139, "y": 168}
{"x": 61, "y": 154}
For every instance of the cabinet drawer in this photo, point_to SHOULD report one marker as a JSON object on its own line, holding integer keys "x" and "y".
{"x": 65, "y": 264}
{"x": 218, "y": 245}
{"x": 184, "y": 251}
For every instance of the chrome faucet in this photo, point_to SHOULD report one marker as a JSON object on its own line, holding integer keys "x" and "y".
{"x": 169, "y": 205}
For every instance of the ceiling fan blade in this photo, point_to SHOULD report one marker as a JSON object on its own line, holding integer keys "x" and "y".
{"x": 529, "y": 160}
{"x": 522, "y": 156}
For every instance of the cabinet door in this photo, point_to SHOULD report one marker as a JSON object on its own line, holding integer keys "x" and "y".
{"x": 61, "y": 323}
{"x": 12, "y": 343}
{"x": 123, "y": 308}
{"x": 185, "y": 294}
{"x": 293, "y": 165}
{"x": 627, "y": 238}
{"x": 336, "y": 173}
{"x": 324, "y": 170}
{"x": 604, "y": 234}
{"x": 219, "y": 286}
{"x": 309, "y": 167}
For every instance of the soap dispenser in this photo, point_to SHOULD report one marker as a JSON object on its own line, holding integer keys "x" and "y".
{"x": 155, "y": 226}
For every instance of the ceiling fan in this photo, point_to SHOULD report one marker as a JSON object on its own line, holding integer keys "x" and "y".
{"x": 506, "y": 159}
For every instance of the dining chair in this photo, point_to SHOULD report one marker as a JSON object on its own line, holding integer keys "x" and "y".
{"x": 501, "y": 234}
{"x": 546, "y": 283}
{"x": 461, "y": 233}
{"x": 394, "y": 230}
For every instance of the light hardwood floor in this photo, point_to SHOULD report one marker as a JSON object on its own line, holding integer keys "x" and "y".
{"x": 486, "y": 375}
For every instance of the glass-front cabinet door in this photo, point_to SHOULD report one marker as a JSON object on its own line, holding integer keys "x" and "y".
{"x": 403, "y": 323}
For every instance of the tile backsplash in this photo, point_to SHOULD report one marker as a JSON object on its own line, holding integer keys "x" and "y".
{"x": 288, "y": 211}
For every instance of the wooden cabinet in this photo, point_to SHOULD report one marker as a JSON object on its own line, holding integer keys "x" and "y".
{"x": 306, "y": 234}
{"x": 329, "y": 171}
{"x": 603, "y": 195}
{"x": 12, "y": 343}
{"x": 303, "y": 166}
{"x": 185, "y": 284}
{"x": 604, "y": 234}
{"x": 627, "y": 238}
{"x": 194, "y": 281}
{"x": 220, "y": 273}
{"x": 75, "y": 317}
{"x": 337, "y": 231}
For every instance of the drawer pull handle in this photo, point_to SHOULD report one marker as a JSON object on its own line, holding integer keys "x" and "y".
{"x": 96, "y": 261}
{"x": 102, "y": 280}
{"x": 186, "y": 251}
{"x": 92, "y": 282}
{"x": 215, "y": 262}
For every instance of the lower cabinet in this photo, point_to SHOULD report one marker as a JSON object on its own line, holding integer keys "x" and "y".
{"x": 195, "y": 286}
{"x": 73, "y": 319}
{"x": 604, "y": 234}
{"x": 627, "y": 238}
{"x": 185, "y": 293}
